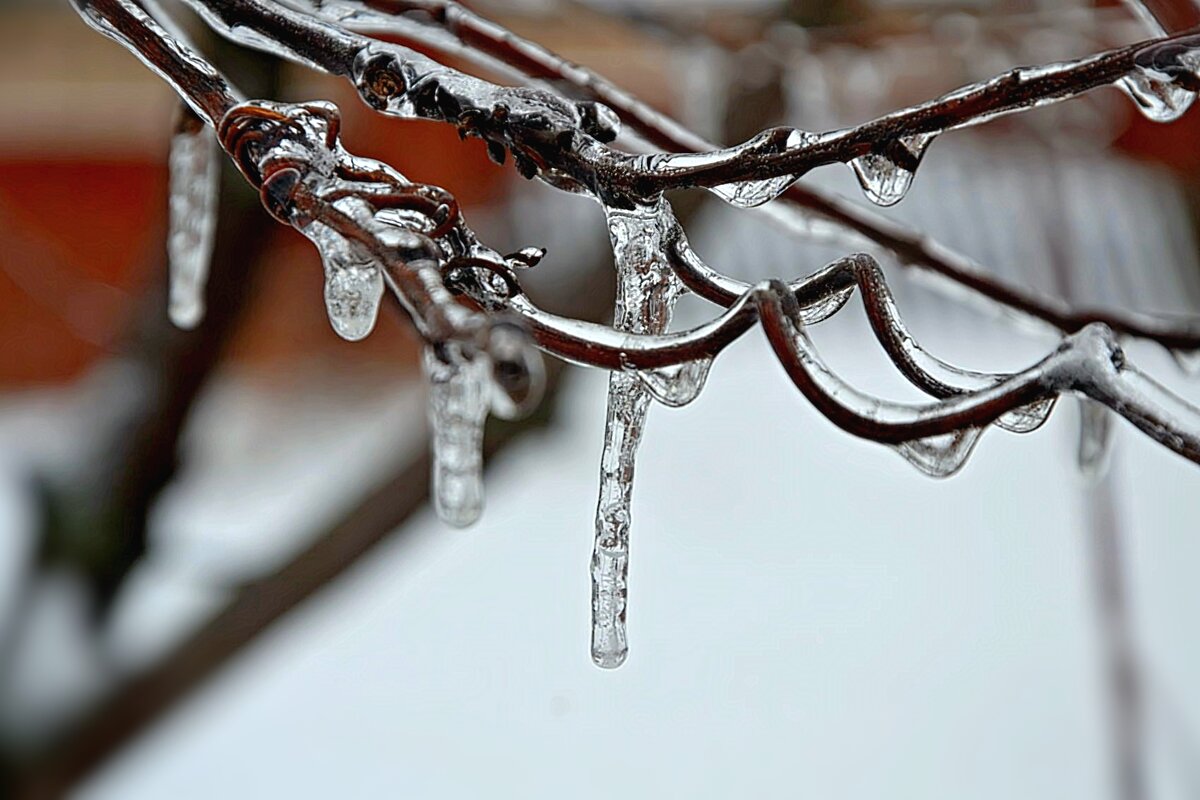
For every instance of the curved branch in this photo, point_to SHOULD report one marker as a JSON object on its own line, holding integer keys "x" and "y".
{"x": 1089, "y": 362}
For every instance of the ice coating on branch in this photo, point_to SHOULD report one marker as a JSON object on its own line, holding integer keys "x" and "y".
{"x": 885, "y": 175}
{"x": 194, "y": 188}
{"x": 459, "y": 395}
{"x": 748, "y": 194}
{"x": 518, "y": 373}
{"x": 1095, "y": 439}
{"x": 646, "y": 293}
{"x": 353, "y": 283}
{"x": 743, "y": 194}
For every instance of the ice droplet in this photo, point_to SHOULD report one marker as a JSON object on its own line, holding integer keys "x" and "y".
{"x": 1158, "y": 98}
{"x": 826, "y": 307}
{"x": 646, "y": 293}
{"x": 458, "y": 405}
{"x": 749, "y": 194}
{"x": 1027, "y": 419}
{"x": 678, "y": 385}
{"x": 1095, "y": 439}
{"x": 195, "y": 175}
{"x": 886, "y": 175}
{"x": 941, "y": 456}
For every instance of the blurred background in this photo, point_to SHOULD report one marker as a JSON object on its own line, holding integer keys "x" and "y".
{"x": 219, "y": 577}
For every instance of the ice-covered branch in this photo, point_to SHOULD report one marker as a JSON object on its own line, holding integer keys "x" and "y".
{"x": 377, "y": 231}
{"x": 448, "y": 27}
{"x": 560, "y": 140}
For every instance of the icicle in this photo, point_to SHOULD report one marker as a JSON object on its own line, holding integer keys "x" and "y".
{"x": 885, "y": 176}
{"x": 194, "y": 186}
{"x": 678, "y": 385}
{"x": 353, "y": 283}
{"x": 353, "y": 291}
{"x": 749, "y": 194}
{"x": 628, "y": 403}
{"x": 1095, "y": 439}
{"x": 1158, "y": 98}
{"x": 646, "y": 292}
{"x": 941, "y": 456}
{"x": 458, "y": 404}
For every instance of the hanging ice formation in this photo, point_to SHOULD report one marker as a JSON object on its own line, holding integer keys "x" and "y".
{"x": 647, "y": 289}
{"x": 1095, "y": 439}
{"x": 458, "y": 407}
{"x": 194, "y": 165}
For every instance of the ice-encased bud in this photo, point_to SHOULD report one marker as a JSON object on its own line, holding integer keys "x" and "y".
{"x": 379, "y": 78}
{"x": 599, "y": 121}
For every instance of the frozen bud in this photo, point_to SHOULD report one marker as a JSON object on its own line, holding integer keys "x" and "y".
{"x": 599, "y": 121}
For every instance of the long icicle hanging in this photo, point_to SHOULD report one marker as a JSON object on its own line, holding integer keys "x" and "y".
{"x": 646, "y": 293}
